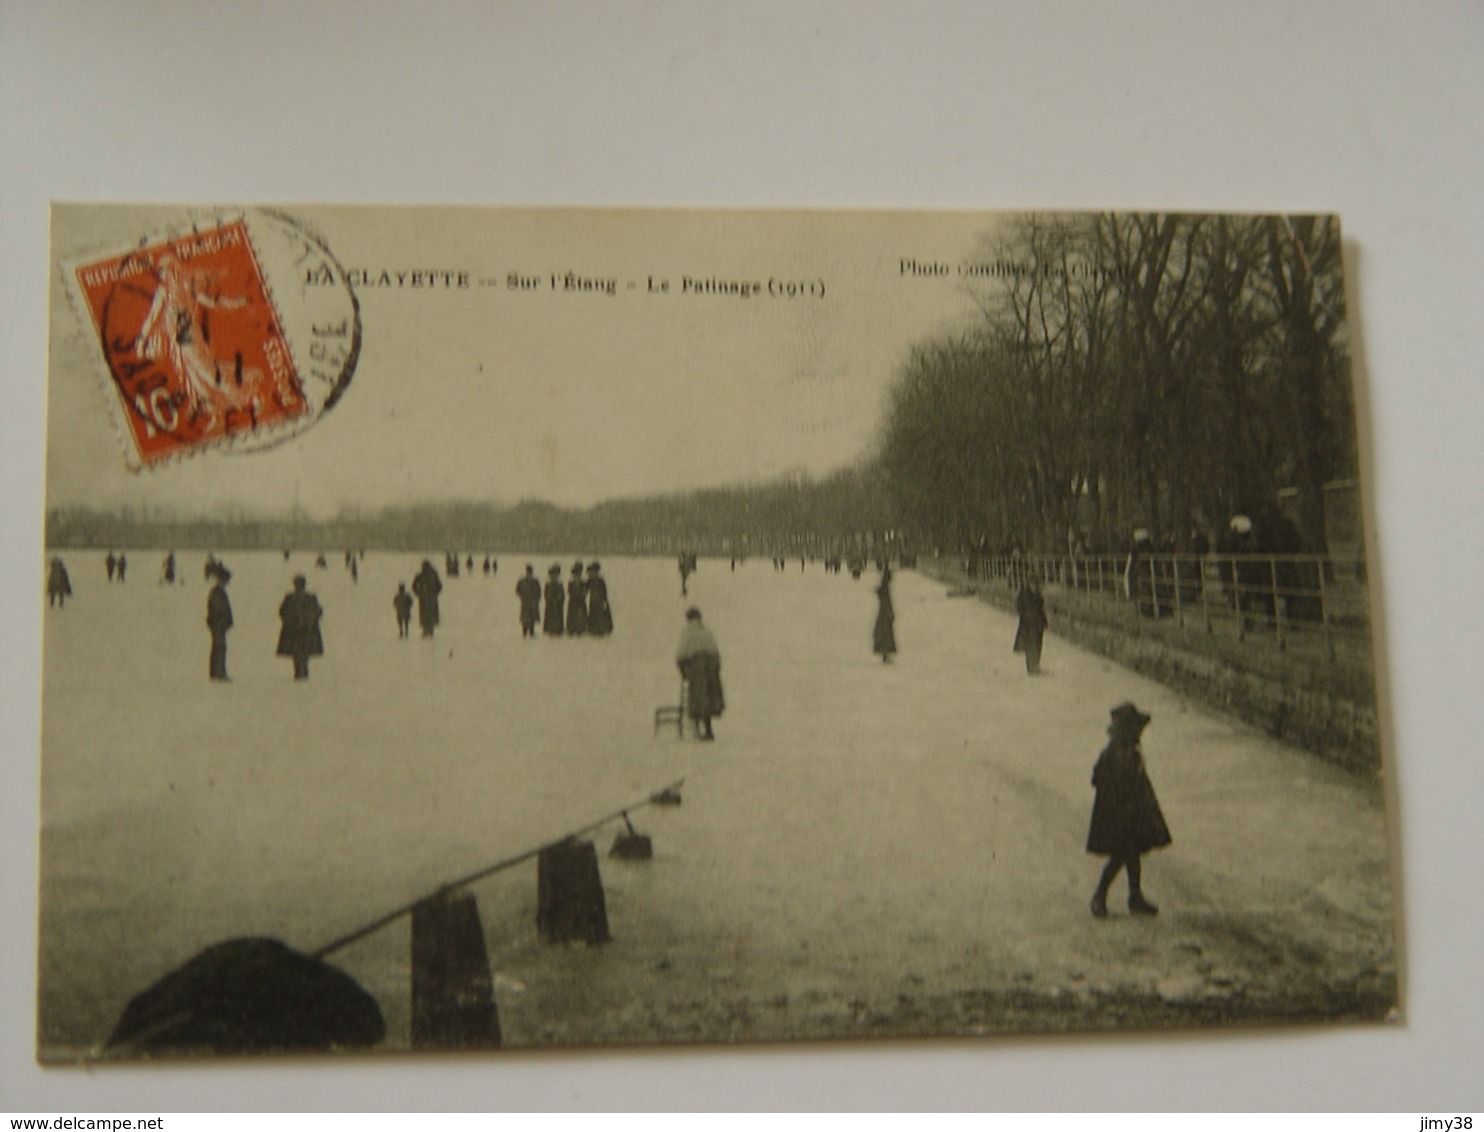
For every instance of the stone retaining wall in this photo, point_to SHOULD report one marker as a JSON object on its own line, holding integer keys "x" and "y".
{"x": 1327, "y": 710}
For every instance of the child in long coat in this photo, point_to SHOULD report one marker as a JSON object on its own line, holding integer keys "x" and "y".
{"x": 1126, "y": 819}
{"x": 402, "y": 603}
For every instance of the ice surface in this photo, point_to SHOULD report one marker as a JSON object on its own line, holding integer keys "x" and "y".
{"x": 865, "y": 847}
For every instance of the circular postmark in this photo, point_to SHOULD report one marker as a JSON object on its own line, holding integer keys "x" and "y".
{"x": 236, "y": 333}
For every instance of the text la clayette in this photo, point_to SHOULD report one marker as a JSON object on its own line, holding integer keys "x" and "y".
{"x": 570, "y": 282}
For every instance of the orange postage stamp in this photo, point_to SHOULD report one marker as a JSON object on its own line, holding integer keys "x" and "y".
{"x": 191, "y": 340}
{"x": 196, "y": 330}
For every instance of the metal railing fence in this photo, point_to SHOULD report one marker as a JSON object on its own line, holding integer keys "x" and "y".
{"x": 1310, "y": 601}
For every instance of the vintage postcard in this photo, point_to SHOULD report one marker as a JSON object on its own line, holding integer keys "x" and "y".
{"x": 478, "y": 628}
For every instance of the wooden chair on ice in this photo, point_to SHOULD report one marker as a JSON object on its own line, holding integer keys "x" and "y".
{"x": 672, "y": 715}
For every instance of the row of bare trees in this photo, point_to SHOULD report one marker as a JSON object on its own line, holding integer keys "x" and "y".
{"x": 843, "y": 513}
{"x": 1130, "y": 370}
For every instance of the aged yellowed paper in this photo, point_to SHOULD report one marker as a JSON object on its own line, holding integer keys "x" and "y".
{"x": 476, "y": 628}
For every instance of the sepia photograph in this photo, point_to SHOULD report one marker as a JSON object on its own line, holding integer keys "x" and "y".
{"x": 1037, "y": 444}
{"x": 486, "y": 629}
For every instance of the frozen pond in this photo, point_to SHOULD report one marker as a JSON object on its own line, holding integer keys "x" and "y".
{"x": 863, "y": 842}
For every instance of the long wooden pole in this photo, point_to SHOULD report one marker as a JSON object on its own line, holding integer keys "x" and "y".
{"x": 479, "y": 874}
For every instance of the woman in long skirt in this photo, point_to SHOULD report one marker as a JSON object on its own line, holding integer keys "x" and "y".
{"x": 300, "y": 637}
{"x": 699, "y": 661}
{"x": 556, "y": 597}
{"x": 1032, "y": 627}
{"x": 599, "y": 613}
{"x": 576, "y": 602}
{"x": 884, "y": 635}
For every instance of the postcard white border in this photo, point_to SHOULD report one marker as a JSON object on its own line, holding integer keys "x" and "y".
{"x": 1368, "y": 109}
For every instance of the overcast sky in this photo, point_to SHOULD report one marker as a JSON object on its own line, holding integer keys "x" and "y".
{"x": 486, "y": 392}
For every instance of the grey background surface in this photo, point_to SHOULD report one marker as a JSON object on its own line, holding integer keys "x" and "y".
{"x": 1369, "y": 109}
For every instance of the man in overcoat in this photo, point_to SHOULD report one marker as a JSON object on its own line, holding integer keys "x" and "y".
{"x": 528, "y": 590}
{"x": 58, "y": 584}
{"x": 218, "y": 621}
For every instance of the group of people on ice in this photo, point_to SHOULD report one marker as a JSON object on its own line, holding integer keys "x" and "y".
{"x": 299, "y": 617}
{"x": 426, "y": 586}
{"x": 490, "y": 566}
{"x": 576, "y": 608}
{"x": 580, "y": 607}
{"x": 1126, "y": 818}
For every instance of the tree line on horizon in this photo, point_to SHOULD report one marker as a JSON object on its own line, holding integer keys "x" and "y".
{"x": 845, "y": 512}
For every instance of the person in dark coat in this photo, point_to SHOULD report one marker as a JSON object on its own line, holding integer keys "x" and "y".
{"x": 1192, "y": 574}
{"x": 884, "y": 635}
{"x": 576, "y": 602}
{"x": 1249, "y": 578}
{"x": 1297, "y": 577}
{"x": 402, "y": 603}
{"x": 1032, "y": 610}
{"x": 110, "y": 562}
{"x": 123, "y": 566}
{"x": 58, "y": 585}
{"x": 599, "y": 614}
{"x": 699, "y": 661}
{"x": 556, "y": 598}
{"x": 218, "y": 621}
{"x": 427, "y": 586}
{"x": 168, "y": 574}
{"x": 300, "y": 638}
{"x": 1126, "y": 819}
{"x": 528, "y": 590}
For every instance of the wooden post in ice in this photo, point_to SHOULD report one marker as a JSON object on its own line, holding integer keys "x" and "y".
{"x": 453, "y": 996}
{"x": 569, "y": 898}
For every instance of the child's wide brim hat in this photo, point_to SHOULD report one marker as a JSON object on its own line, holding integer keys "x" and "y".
{"x": 1129, "y": 719}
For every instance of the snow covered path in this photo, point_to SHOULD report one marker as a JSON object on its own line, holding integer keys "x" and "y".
{"x": 865, "y": 849}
